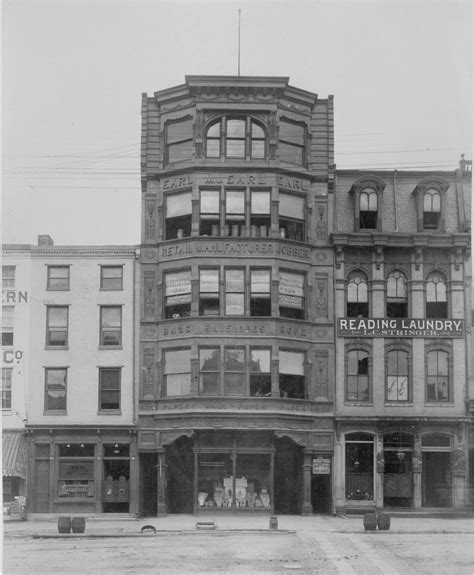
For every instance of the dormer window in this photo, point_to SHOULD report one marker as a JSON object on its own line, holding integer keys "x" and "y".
{"x": 368, "y": 196}
{"x": 431, "y": 209}
{"x": 235, "y": 138}
{"x": 430, "y": 195}
{"x": 368, "y": 209}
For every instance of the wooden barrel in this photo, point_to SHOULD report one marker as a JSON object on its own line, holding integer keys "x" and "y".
{"x": 64, "y": 524}
{"x": 78, "y": 524}
{"x": 370, "y": 522}
{"x": 383, "y": 521}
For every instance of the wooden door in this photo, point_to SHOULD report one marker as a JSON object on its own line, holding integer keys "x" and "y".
{"x": 41, "y": 487}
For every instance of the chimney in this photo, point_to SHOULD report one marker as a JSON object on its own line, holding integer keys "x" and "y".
{"x": 45, "y": 241}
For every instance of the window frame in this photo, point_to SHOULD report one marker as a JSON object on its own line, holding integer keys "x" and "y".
{"x": 180, "y": 141}
{"x": 180, "y": 223}
{"x": 119, "y": 287}
{"x": 101, "y": 390}
{"x": 223, "y": 138}
{"x": 288, "y": 142}
{"x": 260, "y": 296}
{"x": 398, "y": 349}
{"x": 291, "y": 228}
{"x": 234, "y": 291}
{"x": 177, "y": 310}
{"x": 438, "y": 349}
{"x": 437, "y": 305}
{"x": 103, "y": 329}
{"x": 167, "y": 373}
{"x": 304, "y": 376}
{"x": 254, "y": 374}
{"x": 358, "y": 348}
{"x": 363, "y": 185}
{"x": 229, "y": 372}
{"x": 7, "y": 388}
{"x": 397, "y": 301}
{"x": 47, "y": 409}
{"x": 302, "y": 308}
{"x": 8, "y": 331}
{"x": 66, "y": 280}
{"x": 216, "y": 372}
{"x": 209, "y": 296}
{"x": 50, "y": 329}
{"x": 427, "y": 185}
{"x": 8, "y": 277}
{"x": 361, "y": 306}
{"x": 368, "y": 219}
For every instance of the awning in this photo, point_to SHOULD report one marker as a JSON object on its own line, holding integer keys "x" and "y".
{"x": 13, "y": 455}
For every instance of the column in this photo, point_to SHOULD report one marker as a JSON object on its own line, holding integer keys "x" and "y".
{"x": 161, "y": 483}
{"x": 307, "y": 508}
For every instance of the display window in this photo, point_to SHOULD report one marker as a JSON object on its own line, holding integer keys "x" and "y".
{"x": 76, "y": 471}
{"x": 240, "y": 480}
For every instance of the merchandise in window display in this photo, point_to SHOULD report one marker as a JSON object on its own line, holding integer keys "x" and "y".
{"x": 245, "y": 495}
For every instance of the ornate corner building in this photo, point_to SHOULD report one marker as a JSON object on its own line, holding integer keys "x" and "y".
{"x": 236, "y": 394}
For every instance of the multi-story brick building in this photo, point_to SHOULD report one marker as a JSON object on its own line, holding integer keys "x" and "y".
{"x": 68, "y": 374}
{"x": 403, "y": 277}
{"x": 237, "y": 329}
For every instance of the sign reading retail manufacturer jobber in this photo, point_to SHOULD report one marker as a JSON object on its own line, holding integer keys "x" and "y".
{"x": 399, "y": 327}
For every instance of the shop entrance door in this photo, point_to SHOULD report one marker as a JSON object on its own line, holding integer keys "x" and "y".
{"x": 41, "y": 487}
{"x": 321, "y": 493}
{"x": 436, "y": 481}
{"x": 288, "y": 483}
{"x": 148, "y": 484}
{"x": 180, "y": 484}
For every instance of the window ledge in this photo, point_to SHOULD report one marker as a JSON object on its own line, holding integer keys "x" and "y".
{"x": 399, "y": 404}
{"x": 54, "y": 347}
{"x": 359, "y": 403}
{"x": 439, "y": 404}
{"x": 110, "y": 347}
{"x": 111, "y": 289}
{"x": 110, "y": 412}
{"x": 57, "y": 289}
{"x": 55, "y": 412}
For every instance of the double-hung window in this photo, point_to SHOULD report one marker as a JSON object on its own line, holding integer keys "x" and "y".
{"x": 178, "y": 294}
{"x": 431, "y": 209}
{"x": 368, "y": 209}
{"x": 291, "y": 295}
{"x": 7, "y": 388}
{"x": 357, "y": 295}
{"x": 109, "y": 388}
{"x": 235, "y": 212}
{"x": 209, "y": 302}
{"x": 58, "y": 278}
{"x": 111, "y": 277}
{"x": 7, "y": 324}
{"x": 234, "y": 371}
{"x": 209, "y": 220}
{"x": 292, "y": 379}
{"x": 358, "y": 376}
{"x": 397, "y": 301}
{"x": 260, "y": 216}
{"x": 291, "y": 217}
{"x": 8, "y": 277}
{"x": 260, "y": 300}
{"x": 234, "y": 292}
{"x": 209, "y": 371}
{"x": 437, "y": 381}
{"x": 292, "y": 143}
{"x": 179, "y": 140}
{"x": 55, "y": 389}
{"x": 178, "y": 212}
{"x": 397, "y": 375}
{"x": 57, "y": 326}
{"x": 110, "y": 326}
{"x": 436, "y": 298}
{"x": 177, "y": 371}
{"x": 260, "y": 373}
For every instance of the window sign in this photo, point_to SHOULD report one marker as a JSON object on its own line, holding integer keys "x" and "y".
{"x": 291, "y": 290}
{"x": 321, "y": 466}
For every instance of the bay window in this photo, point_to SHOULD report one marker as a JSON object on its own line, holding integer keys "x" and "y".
{"x": 209, "y": 301}
{"x": 291, "y": 295}
{"x": 260, "y": 300}
{"x": 178, "y": 294}
{"x": 292, "y": 374}
{"x": 234, "y": 292}
{"x": 177, "y": 372}
{"x": 234, "y": 371}
{"x": 178, "y": 215}
{"x": 260, "y": 374}
{"x": 291, "y": 217}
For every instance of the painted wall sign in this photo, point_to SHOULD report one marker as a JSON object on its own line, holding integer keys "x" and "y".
{"x": 11, "y": 355}
{"x": 399, "y": 327}
{"x": 13, "y": 296}
{"x": 257, "y": 249}
{"x": 236, "y": 179}
{"x": 321, "y": 466}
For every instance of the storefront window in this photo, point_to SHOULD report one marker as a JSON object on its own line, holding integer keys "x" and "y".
{"x": 249, "y": 489}
{"x": 76, "y": 471}
{"x": 359, "y": 466}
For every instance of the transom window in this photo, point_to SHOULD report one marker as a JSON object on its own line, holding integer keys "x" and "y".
{"x": 397, "y": 301}
{"x": 431, "y": 209}
{"x": 436, "y": 298}
{"x": 178, "y": 294}
{"x": 58, "y": 278}
{"x": 368, "y": 209}
{"x": 235, "y": 138}
{"x": 179, "y": 140}
{"x": 178, "y": 210}
{"x": 291, "y": 146}
{"x": 397, "y": 375}
{"x": 111, "y": 277}
{"x": 177, "y": 371}
{"x": 358, "y": 375}
{"x": 437, "y": 382}
{"x": 357, "y": 295}
{"x": 8, "y": 277}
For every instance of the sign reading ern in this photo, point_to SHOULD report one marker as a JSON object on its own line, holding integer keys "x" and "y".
{"x": 399, "y": 327}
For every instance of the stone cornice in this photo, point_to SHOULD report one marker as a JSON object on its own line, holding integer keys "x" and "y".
{"x": 399, "y": 240}
{"x": 12, "y": 250}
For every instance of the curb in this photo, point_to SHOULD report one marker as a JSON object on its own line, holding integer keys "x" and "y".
{"x": 162, "y": 532}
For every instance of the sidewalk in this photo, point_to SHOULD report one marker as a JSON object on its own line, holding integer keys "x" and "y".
{"x": 109, "y": 526}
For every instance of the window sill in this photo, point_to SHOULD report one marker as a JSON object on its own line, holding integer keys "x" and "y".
{"x": 399, "y": 404}
{"x": 110, "y": 347}
{"x": 58, "y": 289}
{"x": 353, "y": 403}
{"x": 55, "y": 412}
{"x": 111, "y": 289}
{"x": 110, "y": 412}
{"x": 445, "y": 403}
{"x": 54, "y": 347}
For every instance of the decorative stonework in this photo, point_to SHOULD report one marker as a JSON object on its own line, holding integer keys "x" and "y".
{"x": 179, "y": 105}
{"x": 148, "y": 372}
{"x": 321, "y": 372}
{"x": 150, "y": 220}
{"x": 321, "y": 223}
{"x": 459, "y": 463}
{"x": 321, "y": 297}
{"x": 149, "y": 298}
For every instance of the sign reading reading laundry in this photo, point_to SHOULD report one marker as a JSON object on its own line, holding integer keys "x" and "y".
{"x": 399, "y": 327}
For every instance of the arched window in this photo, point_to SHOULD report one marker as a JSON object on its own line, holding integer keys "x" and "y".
{"x": 397, "y": 376}
{"x": 437, "y": 376}
{"x": 397, "y": 301}
{"x": 358, "y": 376}
{"x": 431, "y": 209}
{"x": 357, "y": 295}
{"x": 368, "y": 209}
{"x": 236, "y": 138}
{"x": 436, "y": 297}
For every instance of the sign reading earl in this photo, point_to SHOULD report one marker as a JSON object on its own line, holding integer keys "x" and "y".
{"x": 399, "y": 327}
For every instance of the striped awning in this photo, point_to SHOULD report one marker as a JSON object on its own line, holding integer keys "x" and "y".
{"x": 13, "y": 455}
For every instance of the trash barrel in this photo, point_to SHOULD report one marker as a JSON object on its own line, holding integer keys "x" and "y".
{"x": 78, "y": 524}
{"x": 64, "y": 524}
{"x": 370, "y": 522}
{"x": 383, "y": 521}
{"x": 273, "y": 523}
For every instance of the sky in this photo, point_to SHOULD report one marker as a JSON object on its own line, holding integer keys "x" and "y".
{"x": 73, "y": 73}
